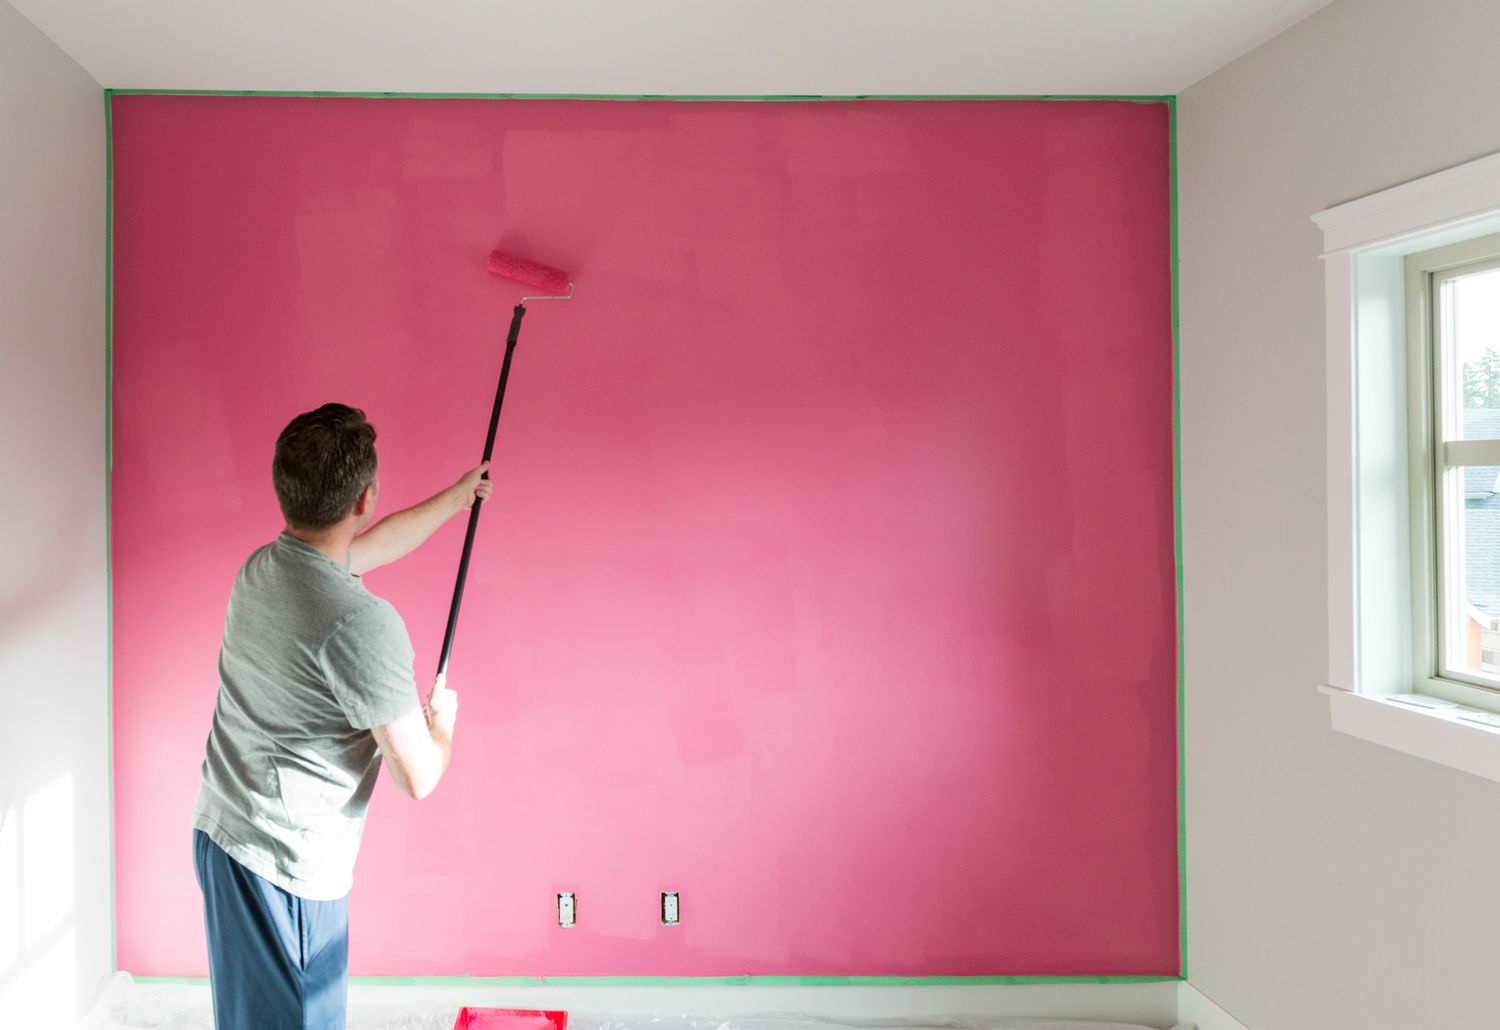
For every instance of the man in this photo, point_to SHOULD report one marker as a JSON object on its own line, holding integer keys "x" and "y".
{"x": 315, "y": 685}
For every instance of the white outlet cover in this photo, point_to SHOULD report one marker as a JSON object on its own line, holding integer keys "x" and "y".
{"x": 567, "y": 910}
{"x": 670, "y": 910}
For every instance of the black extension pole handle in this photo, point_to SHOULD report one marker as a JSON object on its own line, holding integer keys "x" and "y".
{"x": 489, "y": 448}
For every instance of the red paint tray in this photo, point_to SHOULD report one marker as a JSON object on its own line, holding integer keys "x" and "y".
{"x": 510, "y": 1019}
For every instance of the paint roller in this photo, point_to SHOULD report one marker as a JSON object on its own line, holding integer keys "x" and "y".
{"x": 558, "y": 286}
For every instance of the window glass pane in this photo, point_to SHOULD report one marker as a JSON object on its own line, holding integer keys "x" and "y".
{"x": 1471, "y": 562}
{"x": 1469, "y": 329}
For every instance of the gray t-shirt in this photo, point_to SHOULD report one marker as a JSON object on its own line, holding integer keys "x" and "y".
{"x": 309, "y": 662}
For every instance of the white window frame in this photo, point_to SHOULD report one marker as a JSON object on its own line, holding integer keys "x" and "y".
{"x": 1372, "y": 689}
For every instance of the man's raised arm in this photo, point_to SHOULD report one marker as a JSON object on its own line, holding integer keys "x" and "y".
{"x": 400, "y": 533}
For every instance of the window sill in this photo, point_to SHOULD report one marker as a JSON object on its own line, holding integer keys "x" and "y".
{"x": 1438, "y": 736}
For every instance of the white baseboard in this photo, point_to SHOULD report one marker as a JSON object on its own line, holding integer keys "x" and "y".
{"x": 1198, "y": 1009}
{"x": 1151, "y": 1004}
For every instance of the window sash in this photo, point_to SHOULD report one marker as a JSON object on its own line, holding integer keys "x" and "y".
{"x": 1439, "y": 452}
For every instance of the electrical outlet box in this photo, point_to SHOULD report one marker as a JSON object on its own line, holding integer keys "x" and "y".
{"x": 671, "y": 911}
{"x": 567, "y": 910}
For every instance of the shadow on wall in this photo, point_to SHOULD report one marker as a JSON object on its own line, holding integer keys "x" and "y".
{"x": 54, "y": 848}
{"x": 38, "y": 902}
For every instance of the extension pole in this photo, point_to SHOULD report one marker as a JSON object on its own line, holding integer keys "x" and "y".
{"x": 489, "y": 448}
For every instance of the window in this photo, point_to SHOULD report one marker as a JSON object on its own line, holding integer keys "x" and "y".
{"x": 1453, "y": 372}
{"x": 1412, "y": 283}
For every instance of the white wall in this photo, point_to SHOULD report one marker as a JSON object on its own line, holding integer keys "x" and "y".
{"x": 54, "y": 749}
{"x": 1330, "y": 883}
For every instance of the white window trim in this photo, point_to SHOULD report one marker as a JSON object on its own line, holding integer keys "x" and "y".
{"x": 1370, "y": 661}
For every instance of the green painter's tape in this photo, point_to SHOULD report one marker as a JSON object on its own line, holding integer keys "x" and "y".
{"x": 691, "y": 98}
{"x": 109, "y": 464}
{"x": 709, "y": 981}
{"x": 1182, "y": 953}
{"x": 663, "y": 981}
{"x": 747, "y": 981}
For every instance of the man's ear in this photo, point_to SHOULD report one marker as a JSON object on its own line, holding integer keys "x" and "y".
{"x": 366, "y": 501}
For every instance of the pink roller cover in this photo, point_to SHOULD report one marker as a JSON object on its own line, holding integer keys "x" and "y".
{"x": 543, "y": 277}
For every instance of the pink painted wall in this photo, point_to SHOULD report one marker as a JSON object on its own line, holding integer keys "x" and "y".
{"x": 829, "y": 580}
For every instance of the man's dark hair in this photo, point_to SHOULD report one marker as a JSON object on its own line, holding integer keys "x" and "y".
{"x": 324, "y": 460}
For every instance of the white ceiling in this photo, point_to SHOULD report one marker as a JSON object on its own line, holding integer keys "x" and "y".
{"x": 734, "y": 47}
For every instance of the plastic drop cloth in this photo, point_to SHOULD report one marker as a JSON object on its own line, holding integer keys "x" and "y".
{"x": 124, "y": 1005}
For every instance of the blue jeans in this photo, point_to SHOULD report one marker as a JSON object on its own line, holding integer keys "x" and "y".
{"x": 275, "y": 961}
